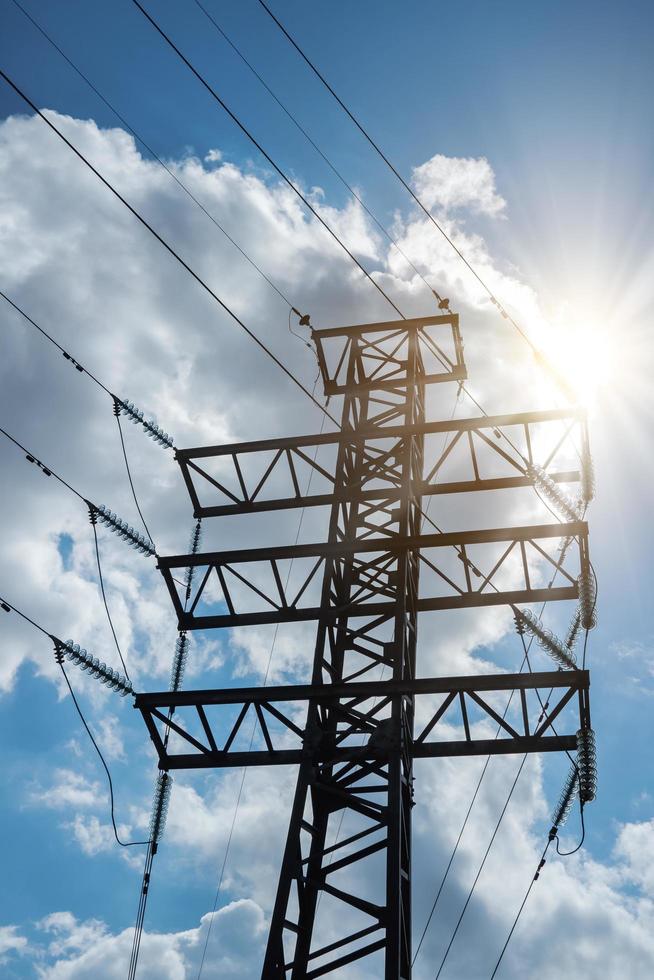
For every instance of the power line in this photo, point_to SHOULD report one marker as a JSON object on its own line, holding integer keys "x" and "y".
{"x": 104, "y": 595}
{"x": 443, "y": 303}
{"x": 263, "y": 152}
{"x": 524, "y": 902}
{"x": 159, "y": 159}
{"x": 46, "y": 470}
{"x": 10, "y": 607}
{"x": 481, "y": 867}
{"x": 165, "y": 244}
{"x": 526, "y": 649}
{"x": 133, "y": 843}
{"x": 119, "y": 404}
{"x": 505, "y": 314}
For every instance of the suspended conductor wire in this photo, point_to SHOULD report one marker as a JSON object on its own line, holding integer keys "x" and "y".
{"x": 320, "y": 152}
{"x": 524, "y": 902}
{"x": 293, "y": 187}
{"x": 129, "y": 474}
{"x": 582, "y": 839}
{"x": 159, "y": 160}
{"x": 56, "y": 343}
{"x": 104, "y": 596}
{"x": 133, "y": 843}
{"x": 525, "y": 660}
{"x": 46, "y": 470}
{"x": 263, "y": 152}
{"x": 190, "y": 270}
{"x": 165, "y": 244}
{"x": 481, "y": 867}
{"x": 505, "y": 314}
{"x": 10, "y": 607}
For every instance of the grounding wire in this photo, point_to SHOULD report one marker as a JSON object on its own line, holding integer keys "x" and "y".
{"x": 320, "y": 152}
{"x": 159, "y": 159}
{"x": 8, "y": 606}
{"x": 263, "y": 152}
{"x": 163, "y": 242}
{"x": 505, "y": 314}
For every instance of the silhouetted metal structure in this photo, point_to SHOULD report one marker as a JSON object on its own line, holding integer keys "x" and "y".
{"x": 355, "y": 730}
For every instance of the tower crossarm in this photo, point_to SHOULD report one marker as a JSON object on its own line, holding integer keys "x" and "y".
{"x": 212, "y": 728}
{"x": 268, "y": 475}
{"x": 460, "y": 569}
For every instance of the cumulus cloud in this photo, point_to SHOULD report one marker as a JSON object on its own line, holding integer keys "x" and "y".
{"x": 11, "y": 942}
{"x": 84, "y": 950}
{"x": 450, "y": 183}
{"x": 83, "y": 268}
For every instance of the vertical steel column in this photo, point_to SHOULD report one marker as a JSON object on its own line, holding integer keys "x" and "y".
{"x": 324, "y": 791}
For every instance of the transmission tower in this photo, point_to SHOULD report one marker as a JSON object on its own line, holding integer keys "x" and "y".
{"x": 344, "y": 892}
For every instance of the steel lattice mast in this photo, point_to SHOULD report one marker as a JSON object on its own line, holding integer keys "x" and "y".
{"x": 346, "y": 897}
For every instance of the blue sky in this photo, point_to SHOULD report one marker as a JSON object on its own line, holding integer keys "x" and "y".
{"x": 555, "y": 98}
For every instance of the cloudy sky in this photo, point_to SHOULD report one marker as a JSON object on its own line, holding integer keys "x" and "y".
{"x": 526, "y": 129}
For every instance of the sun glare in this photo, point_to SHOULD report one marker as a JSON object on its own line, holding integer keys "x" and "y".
{"x": 584, "y": 355}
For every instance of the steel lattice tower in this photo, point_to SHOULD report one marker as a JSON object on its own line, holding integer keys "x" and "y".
{"x": 345, "y": 898}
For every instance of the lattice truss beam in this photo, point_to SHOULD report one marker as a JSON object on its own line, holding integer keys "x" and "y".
{"x": 461, "y": 455}
{"x": 454, "y": 716}
{"x": 459, "y": 570}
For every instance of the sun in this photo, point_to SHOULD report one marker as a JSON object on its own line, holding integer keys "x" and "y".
{"x": 583, "y": 353}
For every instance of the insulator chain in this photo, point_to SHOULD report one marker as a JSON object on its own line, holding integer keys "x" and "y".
{"x": 106, "y": 675}
{"x": 120, "y": 527}
{"x": 136, "y": 415}
{"x": 566, "y": 799}
{"x": 160, "y": 804}
{"x": 587, "y": 477}
{"x": 587, "y": 765}
{"x": 179, "y": 662}
{"x": 573, "y": 631}
{"x": 587, "y": 599}
{"x": 194, "y": 545}
{"x": 566, "y": 505}
{"x": 526, "y": 621}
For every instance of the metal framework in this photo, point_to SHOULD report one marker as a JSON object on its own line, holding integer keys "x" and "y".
{"x": 355, "y": 730}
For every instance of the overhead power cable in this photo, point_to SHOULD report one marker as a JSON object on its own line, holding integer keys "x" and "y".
{"x": 60, "y": 649}
{"x": 165, "y": 244}
{"x": 287, "y": 180}
{"x": 159, "y": 159}
{"x": 189, "y": 269}
{"x": 526, "y": 649}
{"x": 443, "y": 303}
{"x": 364, "y": 132}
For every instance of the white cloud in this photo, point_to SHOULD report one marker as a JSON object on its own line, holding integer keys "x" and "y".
{"x": 11, "y": 942}
{"x": 69, "y": 790}
{"x": 83, "y": 268}
{"x": 448, "y": 183}
{"x": 86, "y": 950}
